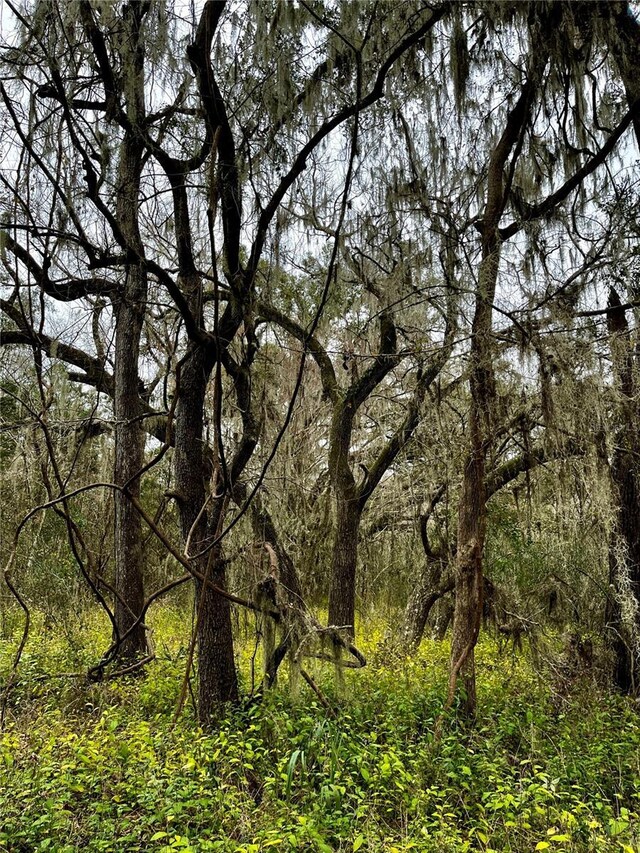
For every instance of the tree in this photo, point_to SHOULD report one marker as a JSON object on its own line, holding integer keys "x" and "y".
{"x": 81, "y": 109}
{"x": 351, "y": 497}
{"x": 284, "y": 146}
{"x": 504, "y": 189}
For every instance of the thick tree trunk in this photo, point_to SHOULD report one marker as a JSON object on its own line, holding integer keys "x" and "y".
{"x": 623, "y": 607}
{"x": 217, "y": 679}
{"x": 344, "y": 558}
{"x": 467, "y": 613}
{"x": 129, "y": 452}
{"x": 342, "y": 594}
{"x": 130, "y": 309}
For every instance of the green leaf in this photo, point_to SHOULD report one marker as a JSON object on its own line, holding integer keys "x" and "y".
{"x": 617, "y": 826}
{"x": 291, "y": 766}
{"x": 358, "y": 842}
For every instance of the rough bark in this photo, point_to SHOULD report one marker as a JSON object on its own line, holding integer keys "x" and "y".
{"x": 623, "y": 606}
{"x": 345, "y": 546}
{"x": 129, "y": 450}
{"x": 129, "y": 309}
{"x": 217, "y": 679}
{"x": 342, "y": 594}
{"x": 468, "y": 582}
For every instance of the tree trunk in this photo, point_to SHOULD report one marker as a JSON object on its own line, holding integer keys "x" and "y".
{"x": 344, "y": 558}
{"x": 129, "y": 452}
{"x": 472, "y": 509}
{"x": 129, "y": 309}
{"x": 623, "y": 607}
{"x": 467, "y": 613}
{"x": 217, "y": 679}
{"x": 342, "y": 594}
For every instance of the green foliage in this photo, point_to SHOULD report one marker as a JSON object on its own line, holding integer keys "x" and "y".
{"x": 99, "y": 767}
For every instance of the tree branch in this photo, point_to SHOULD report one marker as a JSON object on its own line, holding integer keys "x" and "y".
{"x": 546, "y": 206}
{"x": 299, "y": 164}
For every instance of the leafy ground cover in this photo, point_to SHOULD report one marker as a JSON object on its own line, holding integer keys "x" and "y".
{"x": 101, "y": 768}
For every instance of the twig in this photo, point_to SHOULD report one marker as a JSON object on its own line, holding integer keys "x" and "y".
{"x": 317, "y": 691}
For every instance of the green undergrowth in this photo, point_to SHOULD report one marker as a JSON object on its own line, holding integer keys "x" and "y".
{"x": 99, "y": 767}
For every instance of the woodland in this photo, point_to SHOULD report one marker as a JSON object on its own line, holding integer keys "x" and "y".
{"x": 320, "y": 425}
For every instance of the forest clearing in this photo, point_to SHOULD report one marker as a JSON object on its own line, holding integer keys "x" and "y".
{"x": 320, "y": 425}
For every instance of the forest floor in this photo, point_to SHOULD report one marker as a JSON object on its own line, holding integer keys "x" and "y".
{"x": 100, "y": 767}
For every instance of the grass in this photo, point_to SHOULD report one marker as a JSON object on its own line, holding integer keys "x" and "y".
{"x": 100, "y": 767}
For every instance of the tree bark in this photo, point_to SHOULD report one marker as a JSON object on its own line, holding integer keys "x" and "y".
{"x": 129, "y": 309}
{"x": 468, "y": 584}
{"x": 342, "y": 594}
{"x": 344, "y": 559}
{"x": 129, "y": 452}
{"x": 623, "y": 606}
{"x": 217, "y": 679}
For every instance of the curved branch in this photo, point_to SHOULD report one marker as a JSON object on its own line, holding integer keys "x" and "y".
{"x": 63, "y": 291}
{"x": 218, "y": 120}
{"x": 94, "y": 371}
{"x": 299, "y": 164}
{"x": 318, "y": 352}
{"x": 546, "y": 206}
